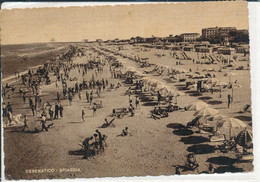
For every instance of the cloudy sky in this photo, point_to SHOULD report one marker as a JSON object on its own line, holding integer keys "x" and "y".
{"x": 109, "y": 22}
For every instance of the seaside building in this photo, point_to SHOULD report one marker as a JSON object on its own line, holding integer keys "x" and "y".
{"x": 99, "y": 40}
{"x": 203, "y": 49}
{"x": 213, "y": 32}
{"x": 189, "y": 37}
{"x": 225, "y": 50}
{"x": 242, "y": 48}
{"x": 244, "y": 31}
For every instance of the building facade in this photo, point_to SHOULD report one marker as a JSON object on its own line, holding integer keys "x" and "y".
{"x": 189, "y": 37}
{"x": 213, "y": 32}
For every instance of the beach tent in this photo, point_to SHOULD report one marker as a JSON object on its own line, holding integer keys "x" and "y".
{"x": 244, "y": 139}
{"x": 196, "y": 106}
{"x": 208, "y": 111}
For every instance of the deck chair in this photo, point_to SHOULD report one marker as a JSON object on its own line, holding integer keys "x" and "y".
{"x": 245, "y": 108}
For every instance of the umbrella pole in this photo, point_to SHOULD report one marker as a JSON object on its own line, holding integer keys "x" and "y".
{"x": 220, "y": 91}
{"x": 245, "y": 141}
{"x": 232, "y": 95}
{"x": 230, "y": 131}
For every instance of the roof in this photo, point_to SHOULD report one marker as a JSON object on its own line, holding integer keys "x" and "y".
{"x": 190, "y": 34}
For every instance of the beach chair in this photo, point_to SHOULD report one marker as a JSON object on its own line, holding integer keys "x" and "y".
{"x": 245, "y": 108}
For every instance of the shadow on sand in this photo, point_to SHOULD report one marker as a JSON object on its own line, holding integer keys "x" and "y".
{"x": 215, "y": 102}
{"x": 183, "y": 132}
{"x": 175, "y": 126}
{"x": 205, "y": 98}
{"x": 244, "y": 118}
{"x": 75, "y": 122}
{"x": 83, "y": 153}
{"x": 150, "y": 104}
{"x": 168, "y": 80}
{"x": 222, "y": 160}
{"x": 194, "y": 140}
{"x": 201, "y": 149}
{"x": 224, "y": 169}
{"x": 196, "y": 94}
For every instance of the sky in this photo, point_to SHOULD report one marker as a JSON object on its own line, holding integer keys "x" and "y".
{"x": 71, "y": 24}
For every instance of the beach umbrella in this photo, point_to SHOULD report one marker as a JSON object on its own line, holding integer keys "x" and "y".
{"x": 206, "y": 87}
{"x": 138, "y": 73}
{"x": 212, "y": 81}
{"x": 221, "y": 84}
{"x": 231, "y": 126}
{"x": 244, "y": 139}
{"x": 194, "y": 86}
{"x": 175, "y": 93}
{"x": 196, "y": 106}
{"x": 208, "y": 111}
{"x": 145, "y": 79}
{"x": 178, "y": 71}
{"x": 216, "y": 117}
{"x": 229, "y": 74}
{"x": 236, "y": 85}
{"x": 160, "y": 86}
{"x": 210, "y": 69}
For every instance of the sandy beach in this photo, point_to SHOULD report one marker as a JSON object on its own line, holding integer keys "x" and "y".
{"x": 156, "y": 147}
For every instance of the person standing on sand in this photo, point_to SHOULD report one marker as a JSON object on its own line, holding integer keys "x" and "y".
{"x": 24, "y": 97}
{"x": 33, "y": 110}
{"x": 4, "y": 110}
{"x": 97, "y": 92}
{"x": 83, "y": 115}
{"x": 87, "y": 96}
{"x": 70, "y": 98}
{"x": 51, "y": 113}
{"x": 229, "y": 100}
{"x": 159, "y": 97}
{"x": 30, "y": 101}
{"x": 61, "y": 111}
{"x": 9, "y": 107}
{"x": 79, "y": 95}
{"x": 136, "y": 102}
{"x": 56, "y": 116}
{"x": 90, "y": 99}
{"x": 25, "y": 123}
{"x": 58, "y": 96}
{"x": 43, "y": 122}
{"x": 9, "y": 116}
{"x": 94, "y": 109}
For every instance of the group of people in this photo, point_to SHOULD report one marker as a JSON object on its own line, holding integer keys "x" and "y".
{"x": 95, "y": 144}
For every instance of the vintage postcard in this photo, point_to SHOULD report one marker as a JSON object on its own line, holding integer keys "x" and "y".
{"x": 126, "y": 90}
